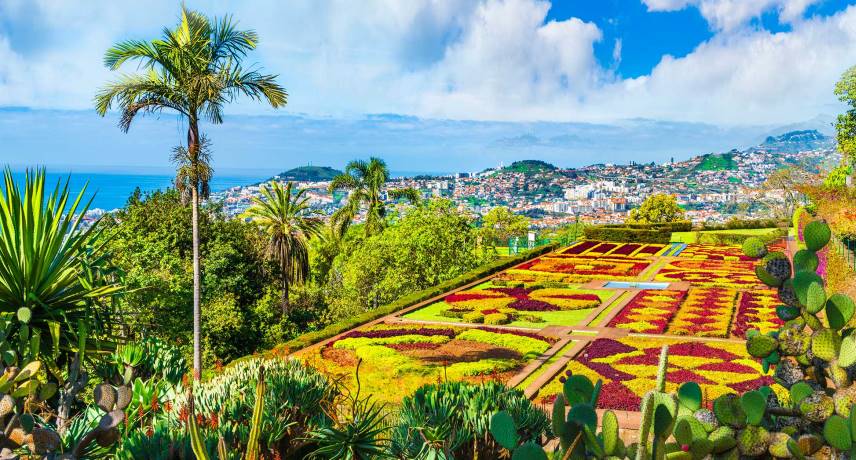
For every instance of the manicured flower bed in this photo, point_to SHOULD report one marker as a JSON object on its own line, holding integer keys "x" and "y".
{"x": 711, "y": 273}
{"x": 706, "y": 312}
{"x": 414, "y": 355}
{"x": 620, "y": 249}
{"x": 495, "y": 300}
{"x": 714, "y": 252}
{"x": 649, "y": 311}
{"x": 585, "y": 266}
{"x": 628, "y": 367}
{"x": 757, "y": 310}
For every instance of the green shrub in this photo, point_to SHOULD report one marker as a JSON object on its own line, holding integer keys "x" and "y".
{"x": 224, "y": 329}
{"x": 526, "y": 346}
{"x": 628, "y": 235}
{"x": 739, "y": 238}
{"x": 481, "y": 367}
{"x": 473, "y": 317}
{"x": 452, "y": 420}
{"x": 496, "y": 319}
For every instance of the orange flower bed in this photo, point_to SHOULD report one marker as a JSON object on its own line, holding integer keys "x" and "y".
{"x": 711, "y": 273}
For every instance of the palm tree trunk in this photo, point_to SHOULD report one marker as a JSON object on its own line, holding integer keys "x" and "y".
{"x": 284, "y": 301}
{"x": 192, "y": 147}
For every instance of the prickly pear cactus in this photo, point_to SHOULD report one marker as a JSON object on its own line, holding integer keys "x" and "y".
{"x": 813, "y": 355}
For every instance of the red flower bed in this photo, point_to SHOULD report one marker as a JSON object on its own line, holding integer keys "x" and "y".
{"x": 581, "y": 248}
{"x": 626, "y": 249}
{"x": 517, "y": 292}
{"x": 756, "y": 310}
{"x": 650, "y": 250}
{"x": 532, "y": 305}
{"x": 381, "y": 333}
{"x": 646, "y": 314}
{"x": 463, "y": 297}
{"x": 603, "y": 248}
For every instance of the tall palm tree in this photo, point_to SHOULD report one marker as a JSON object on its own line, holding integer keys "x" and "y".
{"x": 193, "y": 70}
{"x": 287, "y": 220}
{"x": 365, "y": 180}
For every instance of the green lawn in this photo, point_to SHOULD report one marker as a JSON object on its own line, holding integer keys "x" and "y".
{"x": 692, "y": 237}
{"x": 543, "y": 368}
{"x": 434, "y": 312}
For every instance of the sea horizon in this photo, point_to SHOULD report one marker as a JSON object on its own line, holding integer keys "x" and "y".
{"x": 113, "y": 185}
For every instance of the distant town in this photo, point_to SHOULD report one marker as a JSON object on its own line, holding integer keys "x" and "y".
{"x": 712, "y": 187}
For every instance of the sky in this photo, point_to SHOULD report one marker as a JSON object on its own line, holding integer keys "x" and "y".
{"x": 435, "y": 85}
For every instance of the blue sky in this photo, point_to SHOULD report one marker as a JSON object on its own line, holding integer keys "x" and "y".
{"x": 465, "y": 84}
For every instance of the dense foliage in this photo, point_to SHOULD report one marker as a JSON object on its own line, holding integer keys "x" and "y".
{"x": 657, "y": 209}
{"x": 428, "y": 245}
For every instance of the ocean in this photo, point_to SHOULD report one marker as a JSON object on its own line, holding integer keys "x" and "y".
{"x": 112, "y": 189}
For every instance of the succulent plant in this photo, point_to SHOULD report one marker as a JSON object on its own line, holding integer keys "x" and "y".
{"x": 814, "y": 358}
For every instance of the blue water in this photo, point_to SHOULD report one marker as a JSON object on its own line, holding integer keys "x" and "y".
{"x": 635, "y": 285}
{"x": 112, "y": 189}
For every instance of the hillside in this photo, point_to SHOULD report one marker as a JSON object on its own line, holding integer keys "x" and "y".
{"x": 309, "y": 174}
{"x": 717, "y": 162}
{"x": 796, "y": 141}
{"x": 529, "y": 167}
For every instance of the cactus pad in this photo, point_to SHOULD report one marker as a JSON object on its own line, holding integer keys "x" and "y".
{"x": 754, "y": 247}
{"x": 753, "y": 440}
{"x": 793, "y": 341}
{"x": 609, "y": 424}
{"x": 839, "y": 310}
{"x": 689, "y": 395}
{"x": 723, "y": 439}
{"x": 788, "y": 373}
{"x": 836, "y": 431}
{"x": 787, "y": 295}
{"x": 787, "y": 313}
{"x": 503, "y": 430}
{"x": 825, "y": 344}
{"x": 760, "y": 346}
{"x": 578, "y": 389}
{"x": 806, "y": 261}
{"x": 754, "y": 405}
{"x": 529, "y": 451}
{"x": 847, "y": 354}
{"x": 816, "y": 235}
{"x": 778, "y": 266}
{"x": 779, "y": 445}
{"x": 809, "y": 290}
{"x": 729, "y": 411}
{"x": 707, "y": 419}
{"x": 766, "y": 277}
{"x": 817, "y": 407}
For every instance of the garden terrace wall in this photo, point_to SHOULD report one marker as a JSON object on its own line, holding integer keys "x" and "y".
{"x": 332, "y": 330}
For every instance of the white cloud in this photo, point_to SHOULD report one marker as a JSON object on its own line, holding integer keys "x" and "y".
{"x": 727, "y": 15}
{"x": 476, "y": 59}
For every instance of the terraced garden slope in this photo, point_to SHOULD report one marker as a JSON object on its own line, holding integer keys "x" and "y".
{"x": 600, "y": 309}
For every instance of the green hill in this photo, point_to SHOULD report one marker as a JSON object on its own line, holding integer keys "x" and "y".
{"x": 529, "y": 167}
{"x": 309, "y": 174}
{"x": 717, "y": 162}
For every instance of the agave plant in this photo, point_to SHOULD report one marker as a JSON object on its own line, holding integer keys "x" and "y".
{"x": 54, "y": 273}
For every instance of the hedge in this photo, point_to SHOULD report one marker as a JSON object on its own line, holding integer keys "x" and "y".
{"x": 628, "y": 235}
{"x": 738, "y": 238}
{"x": 312, "y": 338}
{"x": 680, "y": 226}
{"x": 743, "y": 224}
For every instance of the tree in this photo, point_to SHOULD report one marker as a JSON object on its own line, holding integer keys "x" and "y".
{"x": 150, "y": 241}
{"x": 428, "y": 245}
{"x": 195, "y": 70}
{"x": 845, "y": 125}
{"x": 657, "y": 209}
{"x": 287, "y": 221}
{"x": 500, "y": 225}
{"x": 365, "y": 181}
